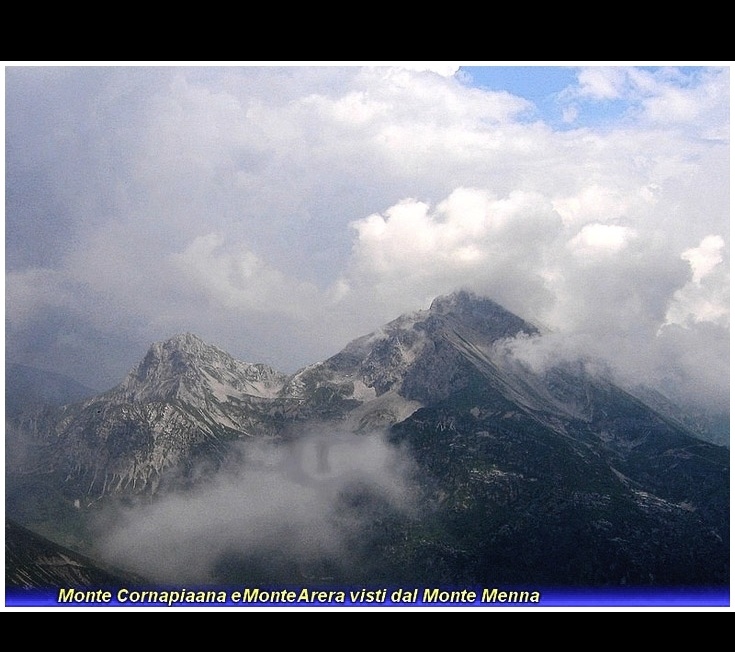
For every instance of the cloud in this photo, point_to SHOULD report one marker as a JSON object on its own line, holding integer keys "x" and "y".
{"x": 32, "y": 290}
{"x": 470, "y": 229}
{"x": 594, "y": 202}
{"x": 603, "y": 82}
{"x": 600, "y": 239}
{"x": 674, "y": 100}
{"x": 706, "y": 297}
{"x": 470, "y": 238}
{"x": 693, "y": 97}
{"x": 238, "y": 280}
{"x": 704, "y": 258}
{"x": 282, "y": 511}
{"x": 445, "y": 69}
{"x": 281, "y": 211}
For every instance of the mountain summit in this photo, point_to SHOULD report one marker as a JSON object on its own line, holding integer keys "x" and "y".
{"x": 414, "y": 360}
{"x": 482, "y": 314}
{"x": 185, "y": 367}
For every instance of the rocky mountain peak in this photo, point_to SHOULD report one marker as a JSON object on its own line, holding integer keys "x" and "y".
{"x": 185, "y": 346}
{"x": 456, "y": 301}
{"x": 186, "y": 363}
{"x": 184, "y": 342}
{"x": 466, "y": 310}
{"x": 175, "y": 357}
{"x": 417, "y": 358}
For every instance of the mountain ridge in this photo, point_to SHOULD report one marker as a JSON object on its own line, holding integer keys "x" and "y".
{"x": 187, "y": 397}
{"x": 500, "y": 451}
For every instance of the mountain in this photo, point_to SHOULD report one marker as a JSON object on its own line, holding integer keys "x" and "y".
{"x": 613, "y": 495}
{"x": 709, "y": 425}
{"x": 182, "y": 402}
{"x": 518, "y": 475}
{"x": 187, "y": 400}
{"x": 35, "y": 562}
{"x": 415, "y": 360}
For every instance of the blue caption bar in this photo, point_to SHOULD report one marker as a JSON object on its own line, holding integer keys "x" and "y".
{"x": 362, "y": 597}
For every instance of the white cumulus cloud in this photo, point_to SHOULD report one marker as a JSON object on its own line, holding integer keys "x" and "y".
{"x": 706, "y": 297}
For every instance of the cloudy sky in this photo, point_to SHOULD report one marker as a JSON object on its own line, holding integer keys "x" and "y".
{"x": 280, "y": 211}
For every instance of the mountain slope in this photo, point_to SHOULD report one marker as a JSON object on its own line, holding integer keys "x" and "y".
{"x": 34, "y": 562}
{"x": 512, "y": 500}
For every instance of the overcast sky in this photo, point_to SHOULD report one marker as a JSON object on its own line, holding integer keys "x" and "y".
{"x": 279, "y": 212}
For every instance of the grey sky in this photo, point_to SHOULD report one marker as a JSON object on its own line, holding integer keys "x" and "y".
{"x": 279, "y": 212}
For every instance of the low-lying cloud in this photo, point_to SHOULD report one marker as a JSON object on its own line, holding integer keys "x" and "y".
{"x": 282, "y": 513}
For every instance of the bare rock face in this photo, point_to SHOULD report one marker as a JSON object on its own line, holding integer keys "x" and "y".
{"x": 185, "y": 400}
{"x": 184, "y": 367}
